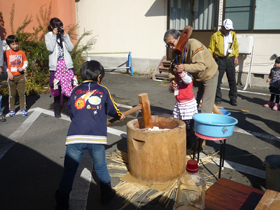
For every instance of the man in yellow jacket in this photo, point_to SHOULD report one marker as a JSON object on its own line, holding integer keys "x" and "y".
{"x": 224, "y": 48}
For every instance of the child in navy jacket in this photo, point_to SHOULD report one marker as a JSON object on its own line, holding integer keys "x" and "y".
{"x": 88, "y": 105}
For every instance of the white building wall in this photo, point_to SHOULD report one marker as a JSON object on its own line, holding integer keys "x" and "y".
{"x": 137, "y": 26}
{"x": 265, "y": 45}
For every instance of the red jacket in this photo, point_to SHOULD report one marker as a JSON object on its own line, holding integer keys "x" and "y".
{"x": 185, "y": 89}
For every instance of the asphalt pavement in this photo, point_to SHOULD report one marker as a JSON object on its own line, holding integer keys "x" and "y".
{"x": 32, "y": 148}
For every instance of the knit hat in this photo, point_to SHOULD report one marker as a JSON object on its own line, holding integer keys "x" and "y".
{"x": 228, "y": 25}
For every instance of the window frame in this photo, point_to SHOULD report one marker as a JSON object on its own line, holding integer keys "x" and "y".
{"x": 192, "y": 2}
{"x": 264, "y": 31}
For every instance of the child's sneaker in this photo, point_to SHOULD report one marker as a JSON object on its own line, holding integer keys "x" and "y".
{"x": 2, "y": 118}
{"x": 23, "y": 112}
{"x": 12, "y": 113}
{"x": 275, "y": 108}
{"x": 269, "y": 104}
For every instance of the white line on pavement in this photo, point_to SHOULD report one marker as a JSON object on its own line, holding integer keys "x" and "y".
{"x": 116, "y": 132}
{"x": 125, "y": 106}
{"x": 238, "y": 167}
{"x": 245, "y": 169}
{"x": 81, "y": 185}
{"x": 244, "y": 91}
{"x": 18, "y": 133}
{"x": 260, "y": 135}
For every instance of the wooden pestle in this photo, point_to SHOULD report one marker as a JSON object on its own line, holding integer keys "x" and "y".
{"x": 216, "y": 110}
{"x": 146, "y": 110}
{"x": 134, "y": 109}
{"x": 185, "y": 35}
{"x": 144, "y": 105}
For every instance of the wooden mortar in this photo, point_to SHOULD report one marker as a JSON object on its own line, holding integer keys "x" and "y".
{"x": 156, "y": 156}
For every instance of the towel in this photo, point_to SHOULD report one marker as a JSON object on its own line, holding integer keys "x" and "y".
{"x": 227, "y": 41}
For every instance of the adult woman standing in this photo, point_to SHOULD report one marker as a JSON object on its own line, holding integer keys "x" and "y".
{"x": 60, "y": 65}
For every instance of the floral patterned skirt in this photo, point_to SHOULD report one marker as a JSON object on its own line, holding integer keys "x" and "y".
{"x": 61, "y": 77}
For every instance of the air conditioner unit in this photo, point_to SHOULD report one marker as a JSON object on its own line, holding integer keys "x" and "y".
{"x": 246, "y": 43}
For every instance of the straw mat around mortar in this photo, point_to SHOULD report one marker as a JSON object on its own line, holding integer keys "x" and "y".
{"x": 132, "y": 189}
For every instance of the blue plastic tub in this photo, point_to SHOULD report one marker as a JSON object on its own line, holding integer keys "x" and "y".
{"x": 214, "y": 125}
{"x": 225, "y": 112}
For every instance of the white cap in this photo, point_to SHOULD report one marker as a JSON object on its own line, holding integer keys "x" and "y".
{"x": 228, "y": 25}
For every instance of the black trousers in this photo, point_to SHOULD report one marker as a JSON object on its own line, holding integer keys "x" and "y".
{"x": 191, "y": 137}
{"x": 227, "y": 65}
{"x": 60, "y": 100}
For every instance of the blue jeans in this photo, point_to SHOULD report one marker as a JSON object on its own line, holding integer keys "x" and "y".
{"x": 73, "y": 156}
{"x": 1, "y": 105}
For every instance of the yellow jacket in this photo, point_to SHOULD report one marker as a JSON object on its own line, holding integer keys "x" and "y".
{"x": 216, "y": 46}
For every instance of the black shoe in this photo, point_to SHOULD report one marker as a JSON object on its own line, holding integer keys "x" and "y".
{"x": 62, "y": 201}
{"x": 233, "y": 103}
{"x": 2, "y": 118}
{"x": 56, "y": 109}
{"x": 107, "y": 193}
{"x": 57, "y": 115}
{"x": 65, "y": 108}
{"x": 105, "y": 200}
{"x": 218, "y": 102}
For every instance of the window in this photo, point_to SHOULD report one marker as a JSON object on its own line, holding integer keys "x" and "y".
{"x": 252, "y": 15}
{"x": 200, "y": 14}
{"x": 180, "y": 14}
{"x": 267, "y": 15}
{"x": 240, "y": 12}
